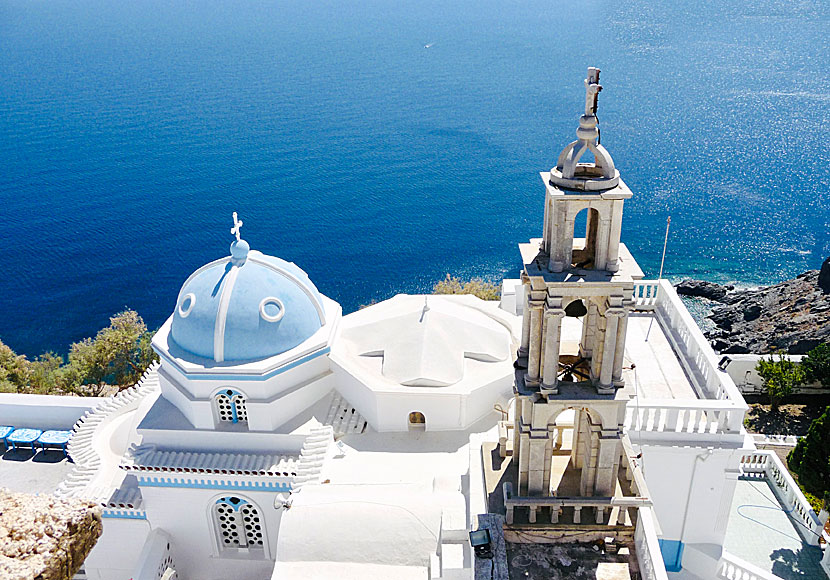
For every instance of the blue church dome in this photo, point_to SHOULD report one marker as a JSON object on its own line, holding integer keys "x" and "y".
{"x": 245, "y": 307}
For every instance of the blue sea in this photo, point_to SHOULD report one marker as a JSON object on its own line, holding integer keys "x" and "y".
{"x": 131, "y": 130}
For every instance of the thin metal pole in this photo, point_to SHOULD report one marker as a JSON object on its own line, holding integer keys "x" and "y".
{"x": 660, "y": 275}
{"x": 665, "y": 243}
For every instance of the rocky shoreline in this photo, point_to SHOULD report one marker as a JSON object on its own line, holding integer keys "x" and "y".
{"x": 792, "y": 316}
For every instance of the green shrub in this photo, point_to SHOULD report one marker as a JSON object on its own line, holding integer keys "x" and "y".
{"x": 816, "y": 365}
{"x": 779, "y": 378}
{"x": 810, "y": 459}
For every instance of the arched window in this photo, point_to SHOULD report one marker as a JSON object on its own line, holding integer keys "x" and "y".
{"x": 230, "y": 407}
{"x": 417, "y": 421}
{"x": 238, "y": 524}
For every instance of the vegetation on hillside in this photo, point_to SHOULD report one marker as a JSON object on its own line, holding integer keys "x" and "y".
{"x": 118, "y": 356}
{"x": 810, "y": 459}
{"x": 476, "y": 286}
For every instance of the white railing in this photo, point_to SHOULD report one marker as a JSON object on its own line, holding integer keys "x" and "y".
{"x": 696, "y": 355}
{"x": 647, "y": 546}
{"x": 684, "y": 416}
{"x": 645, "y": 294}
{"x": 733, "y": 568}
{"x": 768, "y": 464}
{"x": 782, "y": 440}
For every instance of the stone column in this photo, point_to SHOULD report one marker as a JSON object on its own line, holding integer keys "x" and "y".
{"x": 523, "y": 349}
{"x": 601, "y": 252}
{"x": 577, "y": 438}
{"x": 589, "y": 322}
{"x": 567, "y": 243}
{"x": 538, "y": 465}
{"x": 607, "y": 463}
{"x": 614, "y": 241}
{"x": 524, "y": 456}
{"x": 534, "y": 355}
{"x": 553, "y": 317}
{"x": 589, "y": 464}
{"x": 608, "y": 350}
{"x": 546, "y": 237}
{"x": 597, "y": 343}
{"x": 619, "y": 350}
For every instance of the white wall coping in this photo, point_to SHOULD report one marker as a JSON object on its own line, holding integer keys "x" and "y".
{"x": 670, "y": 309}
{"x": 44, "y": 411}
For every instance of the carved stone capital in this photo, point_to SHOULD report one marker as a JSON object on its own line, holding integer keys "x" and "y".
{"x": 554, "y": 312}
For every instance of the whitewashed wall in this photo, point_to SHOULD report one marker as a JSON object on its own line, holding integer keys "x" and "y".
{"x": 185, "y": 514}
{"x": 692, "y": 489}
{"x": 44, "y": 411}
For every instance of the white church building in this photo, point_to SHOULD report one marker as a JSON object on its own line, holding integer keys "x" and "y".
{"x": 278, "y": 438}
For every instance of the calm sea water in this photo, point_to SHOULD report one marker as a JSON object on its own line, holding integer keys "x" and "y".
{"x": 129, "y": 132}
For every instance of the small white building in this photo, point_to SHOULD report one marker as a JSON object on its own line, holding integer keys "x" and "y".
{"x": 279, "y": 439}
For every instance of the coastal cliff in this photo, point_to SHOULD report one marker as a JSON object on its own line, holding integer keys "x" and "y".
{"x": 792, "y": 316}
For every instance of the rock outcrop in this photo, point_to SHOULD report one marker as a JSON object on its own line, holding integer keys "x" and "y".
{"x": 45, "y": 538}
{"x": 792, "y": 316}
{"x": 703, "y": 289}
{"x": 824, "y": 277}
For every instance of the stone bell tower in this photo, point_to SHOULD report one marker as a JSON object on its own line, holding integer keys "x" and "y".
{"x": 577, "y": 292}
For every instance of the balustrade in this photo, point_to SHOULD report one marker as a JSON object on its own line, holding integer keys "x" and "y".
{"x": 647, "y": 546}
{"x": 733, "y": 568}
{"x": 684, "y": 416}
{"x": 645, "y": 294}
{"x": 786, "y": 490}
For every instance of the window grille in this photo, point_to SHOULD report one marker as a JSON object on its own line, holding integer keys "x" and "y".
{"x": 231, "y": 407}
{"x": 238, "y": 523}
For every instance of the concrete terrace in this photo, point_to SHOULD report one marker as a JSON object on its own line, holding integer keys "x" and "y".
{"x": 41, "y": 472}
{"x": 761, "y": 533}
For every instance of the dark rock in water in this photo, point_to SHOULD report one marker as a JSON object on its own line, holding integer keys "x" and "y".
{"x": 824, "y": 277}
{"x": 793, "y": 316}
{"x": 703, "y": 289}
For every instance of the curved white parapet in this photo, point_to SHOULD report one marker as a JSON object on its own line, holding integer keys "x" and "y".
{"x": 91, "y": 447}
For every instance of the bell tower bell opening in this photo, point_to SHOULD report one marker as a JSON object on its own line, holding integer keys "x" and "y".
{"x": 586, "y": 226}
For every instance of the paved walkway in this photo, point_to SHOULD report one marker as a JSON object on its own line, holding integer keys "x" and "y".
{"x": 42, "y": 472}
{"x": 760, "y": 532}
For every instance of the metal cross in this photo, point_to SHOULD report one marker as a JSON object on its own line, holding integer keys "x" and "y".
{"x": 237, "y": 223}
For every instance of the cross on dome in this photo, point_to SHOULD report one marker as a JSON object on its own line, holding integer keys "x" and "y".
{"x": 592, "y": 89}
{"x": 237, "y": 223}
{"x": 600, "y": 175}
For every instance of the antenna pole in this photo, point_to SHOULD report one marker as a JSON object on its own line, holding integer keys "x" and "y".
{"x": 665, "y": 243}
{"x": 660, "y": 275}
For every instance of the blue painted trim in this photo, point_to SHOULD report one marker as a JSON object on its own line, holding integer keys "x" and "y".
{"x": 672, "y": 551}
{"x": 234, "y": 506}
{"x": 126, "y": 516}
{"x": 235, "y": 377}
{"x": 203, "y": 484}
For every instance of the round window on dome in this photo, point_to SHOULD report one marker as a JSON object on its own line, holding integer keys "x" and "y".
{"x": 187, "y": 304}
{"x": 271, "y": 309}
